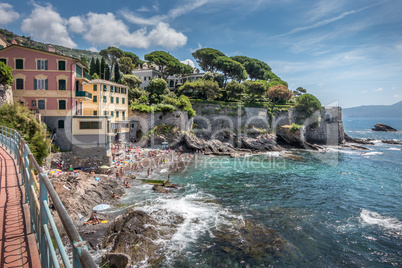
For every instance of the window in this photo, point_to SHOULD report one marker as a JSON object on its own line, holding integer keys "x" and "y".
{"x": 117, "y": 113}
{"x": 95, "y": 98}
{"x": 122, "y": 100}
{"x": 145, "y": 79}
{"x": 117, "y": 100}
{"x": 104, "y": 99}
{"x": 62, "y": 84}
{"x": 111, "y": 99}
{"x": 95, "y": 88}
{"x": 19, "y": 83}
{"x": 40, "y": 84}
{"x": 104, "y": 88}
{"x": 123, "y": 115}
{"x": 41, "y": 65}
{"x": 62, "y": 65}
{"x": 60, "y": 124}
{"x": 62, "y": 104}
{"x": 95, "y": 112}
{"x": 78, "y": 71}
{"x": 111, "y": 88}
{"x": 104, "y": 113}
{"x": 3, "y": 60}
{"x": 149, "y": 78}
{"x": 33, "y": 103}
{"x": 90, "y": 125}
{"x": 111, "y": 113}
{"x": 41, "y": 104}
{"x": 19, "y": 64}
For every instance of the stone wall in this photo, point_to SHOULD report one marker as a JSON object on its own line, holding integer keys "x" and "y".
{"x": 6, "y": 94}
{"x": 91, "y": 155}
{"x": 325, "y": 127}
{"x": 147, "y": 121}
{"x": 63, "y": 137}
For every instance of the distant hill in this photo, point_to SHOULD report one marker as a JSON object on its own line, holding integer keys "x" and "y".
{"x": 28, "y": 42}
{"x": 374, "y": 111}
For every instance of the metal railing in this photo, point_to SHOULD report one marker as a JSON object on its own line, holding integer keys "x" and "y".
{"x": 38, "y": 189}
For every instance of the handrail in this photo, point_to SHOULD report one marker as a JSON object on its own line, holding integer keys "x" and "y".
{"x": 41, "y": 218}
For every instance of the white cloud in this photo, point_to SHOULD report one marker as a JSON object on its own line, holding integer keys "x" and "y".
{"x": 166, "y": 37}
{"x": 155, "y": 7}
{"x": 46, "y": 25}
{"x": 93, "y": 49}
{"x": 364, "y": 91}
{"x": 195, "y": 49}
{"x": 396, "y": 96}
{"x": 105, "y": 29}
{"x": 378, "y": 89}
{"x": 7, "y": 14}
{"x": 188, "y": 62}
{"x": 76, "y": 24}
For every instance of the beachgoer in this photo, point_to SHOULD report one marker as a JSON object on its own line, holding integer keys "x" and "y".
{"x": 93, "y": 219}
{"x": 115, "y": 196}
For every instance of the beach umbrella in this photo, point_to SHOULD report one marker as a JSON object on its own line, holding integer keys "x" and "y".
{"x": 55, "y": 171}
{"x": 101, "y": 207}
{"x": 105, "y": 167}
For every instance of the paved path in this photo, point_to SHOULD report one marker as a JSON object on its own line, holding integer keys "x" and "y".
{"x": 17, "y": 244}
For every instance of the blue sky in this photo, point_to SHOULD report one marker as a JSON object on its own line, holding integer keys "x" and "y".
{"x": 339, "y": 50}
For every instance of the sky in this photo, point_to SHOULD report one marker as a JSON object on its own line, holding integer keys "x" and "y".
{"x": 342, "y": 51}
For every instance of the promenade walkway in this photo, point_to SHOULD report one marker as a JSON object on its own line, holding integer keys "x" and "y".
{"x": 17, "y": 244}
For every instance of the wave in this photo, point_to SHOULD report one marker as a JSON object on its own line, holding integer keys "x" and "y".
{"x": 373, "y": 153}
{"x": 394, "y": 149}
{"x": 389, "y": 224}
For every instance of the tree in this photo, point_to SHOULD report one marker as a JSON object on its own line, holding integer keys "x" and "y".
{"x": 230, "y": 69}
{"x": 256, "y": 89}
{"x": 307, "y": 104}
{"x": 95, "y": 76}
{"x": 209, "y": 89}
{"x": 134, "y": 58}
{"x": 6, "y": 77}
{"x": 102, "y": 68}
{"x": 92, "y": 68}
{"x": 234, "y": 90}
{"x": 107, "y": 73}
{"x": 217, "y": 77}
{"x": 274, "y": 80}
{"x": 131, "y": 80}
{"x": 167, "y": 63}
{"x": 279, "y": 92}
{"x": 256, "y": 69}
{"x": 158, "y": 87}
{"x": 111, "y": 55}
{"x": 299, "y": 91}
{"x": 98, "y": 66}
{"x": 126, "y": 65}
{"x": 84, "y": 60}
{"x": 116, "y": 72}
{"x": 205, "y": 58}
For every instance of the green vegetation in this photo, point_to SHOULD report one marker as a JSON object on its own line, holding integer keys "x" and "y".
{"x": 6, "y": 78}
{"x": 18, "y": 117}
{"x": 294, "y": 128}
{"x": 307, "y": 104}
{"x": 168, "y": 64}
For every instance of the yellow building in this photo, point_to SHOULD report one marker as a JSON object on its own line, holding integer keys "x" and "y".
{"x": 109, "y": 99}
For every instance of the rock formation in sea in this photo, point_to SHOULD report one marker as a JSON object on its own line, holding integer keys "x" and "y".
{"x": 383, "y": 127}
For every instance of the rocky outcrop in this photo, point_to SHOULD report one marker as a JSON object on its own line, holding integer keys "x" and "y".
{"x": 354, "y": 140}
{"x": 138, "y": 235}
{"x": 392, "y": 142}
{"x": 116, "y": 260}
{"x": 383, "y": 127}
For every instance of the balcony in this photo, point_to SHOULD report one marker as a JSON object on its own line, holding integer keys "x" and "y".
{"x": 83, "y": 95}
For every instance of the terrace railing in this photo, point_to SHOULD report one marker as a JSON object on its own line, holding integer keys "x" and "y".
{"x": 38, "y": 189}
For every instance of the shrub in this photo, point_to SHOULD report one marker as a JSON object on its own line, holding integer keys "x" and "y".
{"x": 294, "y": 127}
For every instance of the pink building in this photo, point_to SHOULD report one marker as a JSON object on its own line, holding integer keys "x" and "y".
{"x": 50, "y": 84}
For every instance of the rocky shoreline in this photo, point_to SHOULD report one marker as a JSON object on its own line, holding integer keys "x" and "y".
{"x": 130, "y": 235}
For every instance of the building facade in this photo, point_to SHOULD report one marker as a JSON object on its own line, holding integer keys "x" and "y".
{"x": 111, "y": 100}
{"x": 52, "y": 85}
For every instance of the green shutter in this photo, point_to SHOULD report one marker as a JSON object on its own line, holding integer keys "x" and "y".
{"x": 35, "y": 84}
{"x": 46, "y": 84}
{"x": 46, "y": 66}
{"x": 122, "y": 100}
{"x": 95, "y": 87}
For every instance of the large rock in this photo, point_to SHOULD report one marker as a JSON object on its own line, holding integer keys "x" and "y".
{"x": 354, "y": 140}
{"x": 139, "y": 235}
{"x": 117, "y": 260}
{"x": 383, "y": 127}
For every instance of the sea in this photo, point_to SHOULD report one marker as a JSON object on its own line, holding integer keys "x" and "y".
{"x": 342, "y": 208}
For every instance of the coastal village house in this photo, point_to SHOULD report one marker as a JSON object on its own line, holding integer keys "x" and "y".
{"x": 111, "y": 100}
{"x": 146, "y": 73}
{"x": 54, "y": 86}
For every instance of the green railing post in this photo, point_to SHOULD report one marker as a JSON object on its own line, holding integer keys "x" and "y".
{"x": 43, "y": 196}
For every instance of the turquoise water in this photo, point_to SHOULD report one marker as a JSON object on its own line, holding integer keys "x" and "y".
{"x": 340, "y": 209}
